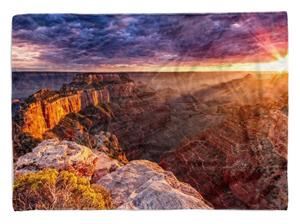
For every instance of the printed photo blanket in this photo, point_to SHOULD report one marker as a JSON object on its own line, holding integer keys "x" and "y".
{"x": 150, "y": 111}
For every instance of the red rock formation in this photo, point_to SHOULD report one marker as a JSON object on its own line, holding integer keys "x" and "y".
{"x": 229, "y": 141}
{"x": 34, "y": 120}
{"x": 238, "y": 164}
{"x": 47, "y": 108}
{"x": 44, "y": 114}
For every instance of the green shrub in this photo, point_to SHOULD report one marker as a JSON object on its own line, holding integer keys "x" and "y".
{"x": 51, "y": 189}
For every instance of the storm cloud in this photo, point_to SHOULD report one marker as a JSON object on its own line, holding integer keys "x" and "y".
{"x": 79, "y": 41}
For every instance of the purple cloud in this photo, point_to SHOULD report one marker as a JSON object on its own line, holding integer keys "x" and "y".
{"x": 161, "y": 38}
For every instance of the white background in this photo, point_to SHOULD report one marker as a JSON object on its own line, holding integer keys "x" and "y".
{"x": 12, "y": 7}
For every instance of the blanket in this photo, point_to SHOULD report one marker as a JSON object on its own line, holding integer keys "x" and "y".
{"x": 150, "y": 111}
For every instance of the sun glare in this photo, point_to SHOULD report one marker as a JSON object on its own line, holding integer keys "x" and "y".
{"x": 279, "y": 65}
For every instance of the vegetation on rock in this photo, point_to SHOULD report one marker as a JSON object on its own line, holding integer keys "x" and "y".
{"x": 51, "y": 189}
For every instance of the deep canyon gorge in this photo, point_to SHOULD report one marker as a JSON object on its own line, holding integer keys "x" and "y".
{"x": 160, "y": 140}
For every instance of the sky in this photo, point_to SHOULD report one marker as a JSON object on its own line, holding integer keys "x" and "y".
{"x": 150, "y": 42}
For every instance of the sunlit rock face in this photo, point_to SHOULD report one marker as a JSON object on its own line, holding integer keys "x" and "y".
{"x": 46, "y": 108}
{"x": 45, "y": 114}
{"x": 34, "y": 120}
{"x": 142, "y": 184}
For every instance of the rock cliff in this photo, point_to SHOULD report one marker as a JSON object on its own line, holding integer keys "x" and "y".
{"x": 90, "y": 104}
{"x": 137, "y": 185}
{"x": 45, "y": 109}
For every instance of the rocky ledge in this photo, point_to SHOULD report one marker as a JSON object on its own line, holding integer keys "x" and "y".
{"x": 65, "y": 155}
{"x": 139, "y": 184}
{"x": 142, "y": 184}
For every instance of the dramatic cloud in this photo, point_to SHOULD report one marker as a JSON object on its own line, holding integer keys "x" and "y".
{"x": 79, "y": 42}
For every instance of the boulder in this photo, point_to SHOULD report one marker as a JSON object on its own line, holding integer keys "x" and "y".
{"x": 142, "y": 184}
{"x": 61, "y": 155}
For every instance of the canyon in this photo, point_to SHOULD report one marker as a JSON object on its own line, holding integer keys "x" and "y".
{"x": 223, "y": 144}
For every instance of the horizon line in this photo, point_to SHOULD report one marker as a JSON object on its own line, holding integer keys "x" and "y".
{"x": 154, "y": 71}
